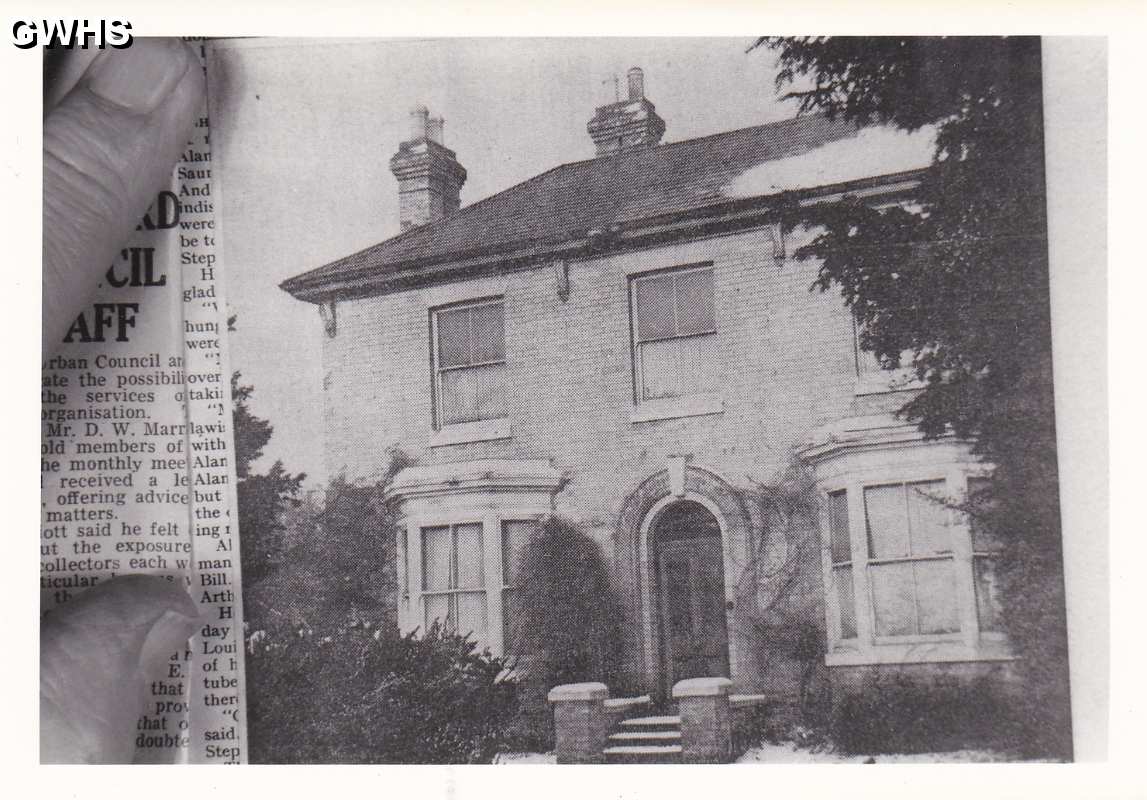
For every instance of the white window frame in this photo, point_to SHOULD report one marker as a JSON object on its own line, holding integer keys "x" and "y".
{"x": 453, "y": 590}
{"x": 495, "y": 575}
{"x": 692, "y": 405}
{"x": 969, "y": 643}
{"x": 474, "y": 430}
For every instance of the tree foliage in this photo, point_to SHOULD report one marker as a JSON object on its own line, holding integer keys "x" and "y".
{"x": 959, "y": 279}
{"x": 262, "y": 499}
{"x": 339, "y": 563}
{"x": 358, "y": 692}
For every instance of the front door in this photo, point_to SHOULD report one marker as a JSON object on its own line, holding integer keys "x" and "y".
{"x": 691, "y": 599}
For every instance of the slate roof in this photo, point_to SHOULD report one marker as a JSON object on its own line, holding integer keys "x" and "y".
{"x": 571, "y": 199}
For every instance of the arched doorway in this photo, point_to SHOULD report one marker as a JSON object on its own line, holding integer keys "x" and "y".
{"x": 689, "y": 593}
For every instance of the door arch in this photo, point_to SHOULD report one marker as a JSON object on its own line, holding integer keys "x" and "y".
{"x": 688, "y": 577}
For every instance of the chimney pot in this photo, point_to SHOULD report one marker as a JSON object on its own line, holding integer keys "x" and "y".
{"x": 429, "y": 177}
{"x": 636, "y": 83}
{"x": 434, "y": 127}
{"x": 627, "y": 124}
{"x": 419, "y": 115}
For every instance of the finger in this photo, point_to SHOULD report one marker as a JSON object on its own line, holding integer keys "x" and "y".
{"x": 62, "y": 71}
{"x": 108, "y": 147}
{"x": 98, "y": 654}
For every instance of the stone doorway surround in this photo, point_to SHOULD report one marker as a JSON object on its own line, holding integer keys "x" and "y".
{"x": 680, "y": 480}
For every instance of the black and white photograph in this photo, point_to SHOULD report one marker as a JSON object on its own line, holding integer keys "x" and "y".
{"x": 641, "y": 400}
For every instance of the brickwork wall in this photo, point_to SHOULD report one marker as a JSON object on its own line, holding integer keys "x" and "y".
{"x": 788, "y": 359}
{"x": 789, "y": 367}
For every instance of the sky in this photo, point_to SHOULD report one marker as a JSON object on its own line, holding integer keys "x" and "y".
{"x": 303, "y": 132}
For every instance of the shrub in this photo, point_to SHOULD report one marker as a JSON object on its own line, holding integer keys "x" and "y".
{"x": 567, "y": 624}
{"x": 901, "y": 716}
{"x": 364, "y": 694}
{"x": 338, "y": 561}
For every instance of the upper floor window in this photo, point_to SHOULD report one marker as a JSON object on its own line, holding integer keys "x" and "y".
{"x": 469, "y": 362}
{"x": 675, "y": 334}
{"x": 872, "y": 377}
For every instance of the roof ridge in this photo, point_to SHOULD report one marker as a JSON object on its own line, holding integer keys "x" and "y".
{"x": 580, "y": 162}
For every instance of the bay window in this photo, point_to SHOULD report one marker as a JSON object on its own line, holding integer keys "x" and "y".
{"x": 908, "y": 576}
{"x": 453, "y": 582}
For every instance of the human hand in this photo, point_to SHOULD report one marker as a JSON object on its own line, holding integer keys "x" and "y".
{"x": 98, "y": 654}
{"x": 115, "y": 121}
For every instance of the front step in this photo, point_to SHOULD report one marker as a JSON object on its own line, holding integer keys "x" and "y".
{"x": 670, "y": 721}
{"x": 643, "y": 754}
{"x": 645, "y": 740}
{"x": 641, "y": 737}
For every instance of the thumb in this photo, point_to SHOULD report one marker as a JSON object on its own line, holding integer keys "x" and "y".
{"x": 98, "y": 653}
{"x": 109, "y": 145}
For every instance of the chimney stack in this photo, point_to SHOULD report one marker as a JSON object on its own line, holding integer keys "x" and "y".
{"x": 429, "y": 176}
{"x": 627, "y": 124}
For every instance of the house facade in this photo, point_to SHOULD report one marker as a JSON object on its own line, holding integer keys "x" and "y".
{"x": 628, "y": 342}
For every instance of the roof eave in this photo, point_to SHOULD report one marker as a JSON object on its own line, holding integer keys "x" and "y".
{"x": 726, "y": 216}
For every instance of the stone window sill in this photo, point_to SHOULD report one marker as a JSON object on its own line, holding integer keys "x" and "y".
{"x": 851, "y": 654}
{"x": 484, "y": 430}
{"x": 678, "y": 407}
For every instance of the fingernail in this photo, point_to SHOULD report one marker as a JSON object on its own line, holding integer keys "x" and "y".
{"x": 140, "y": 78}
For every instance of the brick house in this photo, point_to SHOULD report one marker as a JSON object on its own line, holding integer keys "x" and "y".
{"x": 628, "y": 342}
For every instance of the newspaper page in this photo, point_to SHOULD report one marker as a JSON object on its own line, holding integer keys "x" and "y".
{"x": 136, "y": 471}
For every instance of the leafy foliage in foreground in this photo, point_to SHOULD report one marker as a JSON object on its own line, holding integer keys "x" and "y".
{"x": 959, "y": 278}
{"x": 360, "y": 693}
{"x": 567, "y": 625}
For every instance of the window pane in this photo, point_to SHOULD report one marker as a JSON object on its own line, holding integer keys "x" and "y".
{"x": 435, "y": 559}
{"x": 846, "y": 599}
{"x": 695, "y": 312}
{"x": 472, "y": 617}
{"x": 936, "y": 596}
{"x": 490, "y": 391}
{"x": 660, "y": 369}
{"x": 892, "y": 599}
{"x": 679, "y": 367}
{"x": 887, "y": 521}
{"x": 988, "y": 604}
{"x": 511, "y": 613}
{"x": 459, "y": 396}
{"x": 654, "y": 300}
{"x": 838, "y": 527}
{"x": 453, "y": 337}
{"x": 488, "y": 334}
{"x": 473, "y": 393}
{"x": 469, "y": 568}
{"x": 438, "y": 608}
{"x": 515, "y": 539}
{"x": 405, "y": 556}
{"x": 928, "y": 518}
